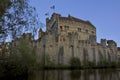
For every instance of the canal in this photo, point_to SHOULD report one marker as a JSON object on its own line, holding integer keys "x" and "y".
{"x": 93, "y": 74}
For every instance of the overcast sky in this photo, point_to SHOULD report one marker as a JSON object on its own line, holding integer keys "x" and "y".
{"x": 103, "y": 14}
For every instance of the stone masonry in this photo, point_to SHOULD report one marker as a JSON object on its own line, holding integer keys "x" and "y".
{"x": 67, "y": 37}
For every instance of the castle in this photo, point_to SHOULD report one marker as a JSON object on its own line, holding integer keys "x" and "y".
{"x": 68, "y": 37}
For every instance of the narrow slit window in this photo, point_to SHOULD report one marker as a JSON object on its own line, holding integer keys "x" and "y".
{"x": 60, "y": 27}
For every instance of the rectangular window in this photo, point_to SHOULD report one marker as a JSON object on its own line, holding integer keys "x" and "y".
{"x": 92, "y": 32}
{"x": 79, "y": 29}
{"x": 66, "y": 27}
{"x": 86, "y": 31}
{"x": 60, "y": 27}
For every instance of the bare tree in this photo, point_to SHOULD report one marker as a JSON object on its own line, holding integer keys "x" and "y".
{"x": 17, "y": 17}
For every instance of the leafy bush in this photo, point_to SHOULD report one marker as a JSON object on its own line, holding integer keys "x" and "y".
{"x": 105, "y": 63}
{"x": 113, "y": 64}
{"x": 75, "y": 62}
{"x": 91, "y": 64}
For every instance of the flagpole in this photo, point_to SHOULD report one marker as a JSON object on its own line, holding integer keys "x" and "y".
{"x": 47, "y": 14}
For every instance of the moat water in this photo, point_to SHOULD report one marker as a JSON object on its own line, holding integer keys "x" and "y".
{"x": 101, "y": 74}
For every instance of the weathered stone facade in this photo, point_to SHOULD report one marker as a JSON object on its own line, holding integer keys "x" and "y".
{"x": 67, "y": 37}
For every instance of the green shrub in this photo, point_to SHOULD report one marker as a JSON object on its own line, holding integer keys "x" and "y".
{"x": 19, "y": 62}
{"x": 91, "y": 64}
{"x": 75, "y": 62}
{"x": 113, "y": 64}
{"x": 105, "y": 63}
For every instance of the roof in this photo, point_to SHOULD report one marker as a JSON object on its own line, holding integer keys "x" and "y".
{"x": 80, "y": 20}
{"x": 74, "y": 19}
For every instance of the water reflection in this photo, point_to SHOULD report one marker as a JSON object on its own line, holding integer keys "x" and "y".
{"x": 102, "y": 74}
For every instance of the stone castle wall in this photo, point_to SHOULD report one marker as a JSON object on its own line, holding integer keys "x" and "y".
{"x": 68, "y": 37}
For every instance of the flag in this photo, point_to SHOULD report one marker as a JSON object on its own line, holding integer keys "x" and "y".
{"x": 46, "y": 14}
{"x": 52, "y": 7}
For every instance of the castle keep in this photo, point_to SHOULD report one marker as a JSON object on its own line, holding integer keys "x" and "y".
{"x": 67, "y": 37}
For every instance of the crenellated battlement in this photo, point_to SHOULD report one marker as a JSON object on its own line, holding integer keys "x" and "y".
{"x": 27, "y": 36}
{"x": 103, "y": 42}
{"x": 111, "y": 43}
{"x": 118, "y": 48}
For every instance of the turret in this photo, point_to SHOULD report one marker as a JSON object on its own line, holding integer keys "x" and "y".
{"x": 27, "y": 36}
{"x": 40, "y": 33}
{"x": 118, "y": 48}
{"x": 111, "y": 43}
{"x": 47, "y": 24}
{"x": 103, "y": 42}
{"x": 55, "y": 15}
{"x": 50, "y": 22}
